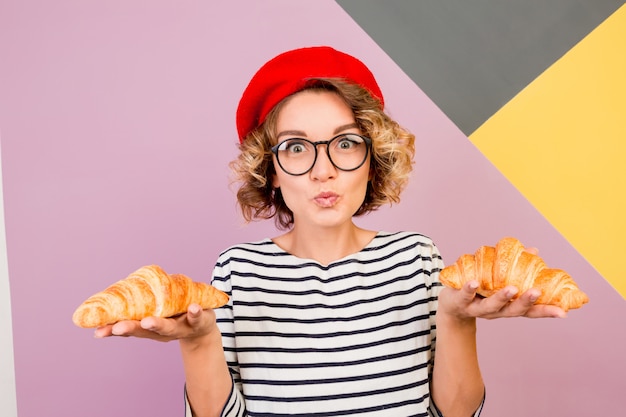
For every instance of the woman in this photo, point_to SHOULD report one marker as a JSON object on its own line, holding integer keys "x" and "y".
{"x": 328, "y": 318}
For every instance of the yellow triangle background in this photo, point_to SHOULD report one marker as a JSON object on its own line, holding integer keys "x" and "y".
{"x": 562, "y": 142}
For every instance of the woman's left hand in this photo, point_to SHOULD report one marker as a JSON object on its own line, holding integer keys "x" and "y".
{"x": 466, "y": 304}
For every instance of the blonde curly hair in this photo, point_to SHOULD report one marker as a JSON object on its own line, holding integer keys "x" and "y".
{"x": 393, "y": 148}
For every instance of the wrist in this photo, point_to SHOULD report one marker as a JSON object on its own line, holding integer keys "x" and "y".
{"x": 458, "y": 323}
{"x": 204, "y": 341}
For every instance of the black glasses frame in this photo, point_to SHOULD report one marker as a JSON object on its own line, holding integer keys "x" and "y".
{"x": 368, "y": 147}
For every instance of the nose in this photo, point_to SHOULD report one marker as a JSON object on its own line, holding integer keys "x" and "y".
{"x": 323, "y": 169}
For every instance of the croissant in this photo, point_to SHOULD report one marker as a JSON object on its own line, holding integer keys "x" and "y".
{"x": 149, "y": 291}
{"x": 509, "y": 264}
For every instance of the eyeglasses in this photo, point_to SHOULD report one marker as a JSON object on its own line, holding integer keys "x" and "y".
{"x": 347, "y": 152}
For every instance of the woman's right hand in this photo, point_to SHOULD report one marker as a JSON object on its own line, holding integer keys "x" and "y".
{"x": 190, "y": 326}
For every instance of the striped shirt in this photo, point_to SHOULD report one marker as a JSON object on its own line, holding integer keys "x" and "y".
{"x": 353, "y": 338}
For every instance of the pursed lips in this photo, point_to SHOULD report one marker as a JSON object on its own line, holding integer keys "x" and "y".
{"x": 326, "y": 199}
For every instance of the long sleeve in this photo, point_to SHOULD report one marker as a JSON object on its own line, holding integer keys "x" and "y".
{"x": 436, "y": 288}
{"x": 234, "y": 407}
{"x": 433, "y": 411}
{"x": 235, "y": 404}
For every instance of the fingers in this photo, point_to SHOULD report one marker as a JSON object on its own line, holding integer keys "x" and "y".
{"x": 522, "y": 306}
{"x": 158, "y": 325}
{"x": 545, "y": 311}
{"x": 200, "y": 322}
{"x": 532, "y": 250}
{"x": 122, "y": 328}
{"x": 132, "y": 328}
{"x": 505, "y": 303}
{"x": 177, "y": 327}
{"x": 104, "y": 331}
{"x": 151, "y": 329}
{"x": 496, "y": 305}
{"x": 525, "y": 306}
{"x": 468, "y": 292}
{"x": 194, "y": 315}
{"x": 196, "y": 322}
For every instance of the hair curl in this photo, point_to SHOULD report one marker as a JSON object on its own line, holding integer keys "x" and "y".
{"x": 393, "y": 149}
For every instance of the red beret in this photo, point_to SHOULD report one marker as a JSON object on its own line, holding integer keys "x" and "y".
{"x": 289, "y": 72}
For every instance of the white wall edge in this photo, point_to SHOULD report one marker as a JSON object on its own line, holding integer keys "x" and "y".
{"x": 8, "y": 397}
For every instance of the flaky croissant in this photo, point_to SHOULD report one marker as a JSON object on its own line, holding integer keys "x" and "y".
{"x": 149, "y": 291}
{"x": 509, "y": 264}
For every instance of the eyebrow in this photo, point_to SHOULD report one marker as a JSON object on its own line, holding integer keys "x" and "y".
{"x": 337, "y": 130}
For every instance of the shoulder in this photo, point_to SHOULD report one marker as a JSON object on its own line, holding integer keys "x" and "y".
{"x": 408, "y": 253}
{"x": 261, "y": 247}
{"x": 403, "y": 246}
{"x": 406, "y": 239}
{"x": 249, "y": 250}
{"x": 408, "y": 245}
{"x": 245, "y": 258}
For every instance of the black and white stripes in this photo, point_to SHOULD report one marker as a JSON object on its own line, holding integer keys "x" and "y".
{"x": 354, "y": 338}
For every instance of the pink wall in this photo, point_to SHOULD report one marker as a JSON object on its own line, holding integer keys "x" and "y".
{"x": 117, "y": 124}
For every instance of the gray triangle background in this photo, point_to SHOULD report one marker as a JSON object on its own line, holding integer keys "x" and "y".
{"x": 472, "y": 56}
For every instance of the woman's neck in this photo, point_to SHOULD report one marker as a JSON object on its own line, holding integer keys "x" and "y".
{"x": 324, "y": 245}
